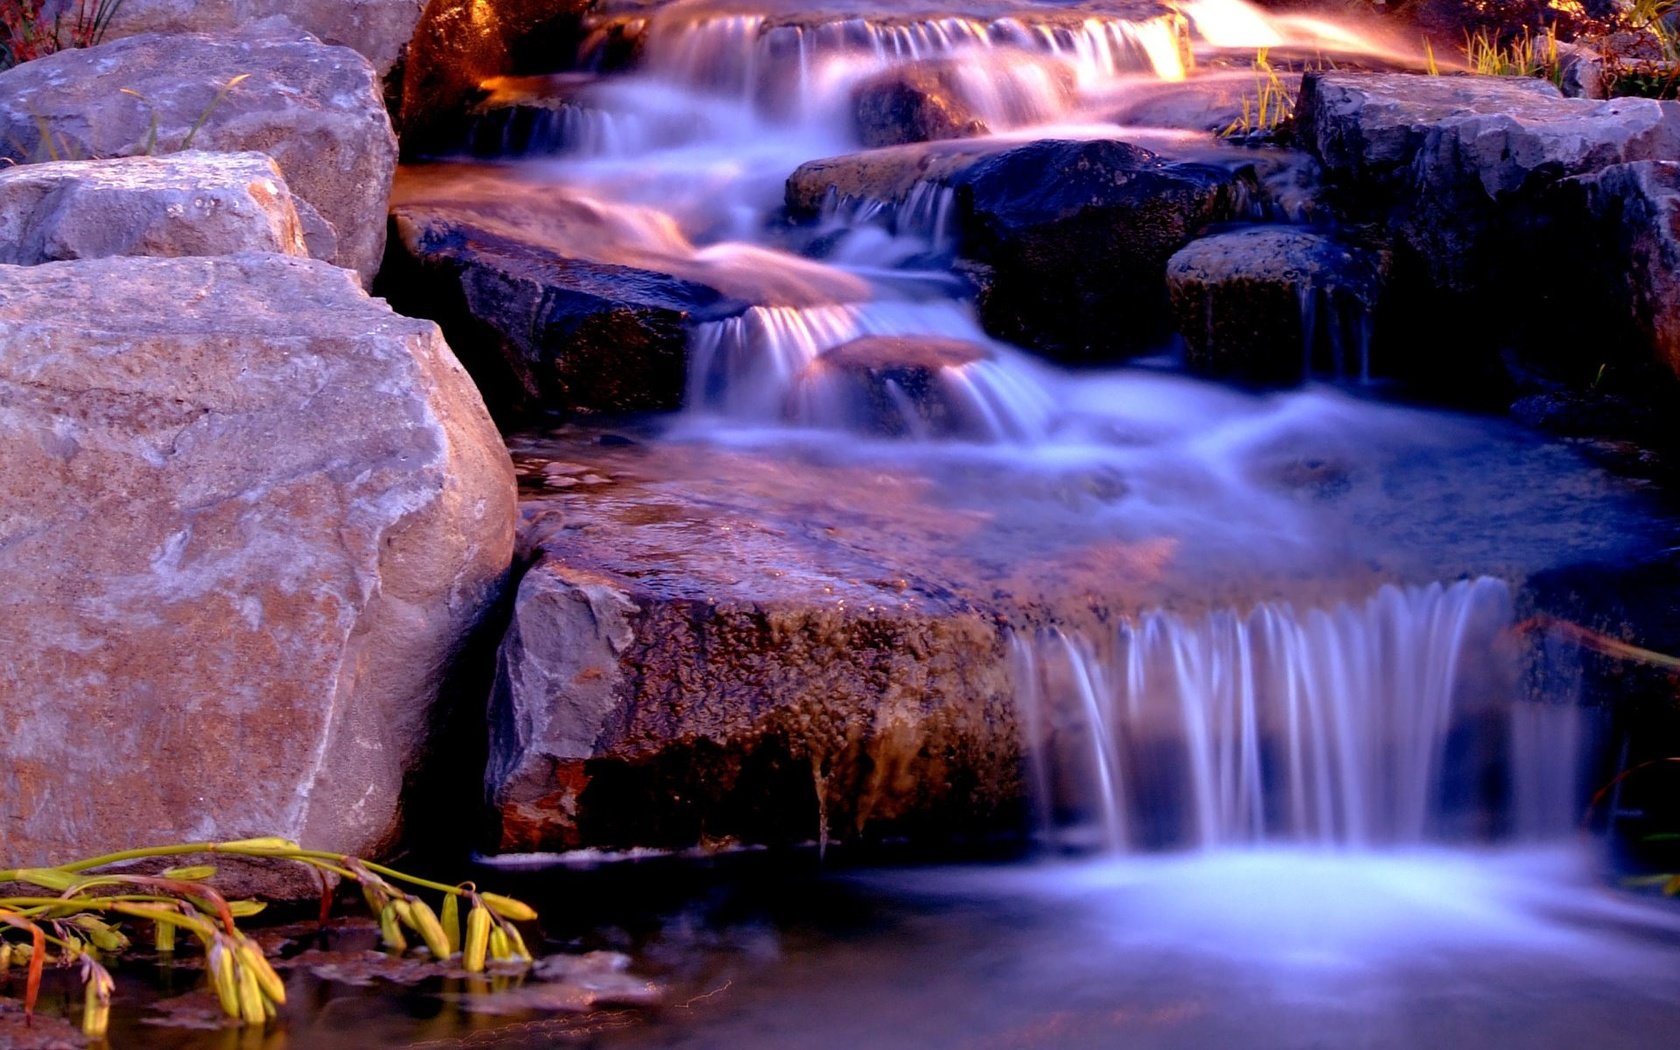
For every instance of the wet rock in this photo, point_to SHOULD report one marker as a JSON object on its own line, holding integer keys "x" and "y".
{"x": 379, "y": 29}
{"x": 460, "y": 44}
{"x": 183, "y": 204}
{"x": 916, "y": 103}
{"x": 1448, "y": 159}
{"x": 896, "y": 386}
{"x": 1210, "y": 102}
{"x": 543, "y": 331}
{"x": 250, "y": 516}
{"x": 1077, "y": 236}
{"x": 315, "y": 109}
{"x": 1626, "y": 219}
{"x": 955, "y": 99}
{"x": 1070, "y": 237}
{"x": 1276, "y": 304}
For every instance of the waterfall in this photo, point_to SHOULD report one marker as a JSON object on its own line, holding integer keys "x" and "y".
{"x": 1379, "y": 723}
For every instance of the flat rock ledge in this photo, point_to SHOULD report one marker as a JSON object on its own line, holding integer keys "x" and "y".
{"x": 248, "y": 515}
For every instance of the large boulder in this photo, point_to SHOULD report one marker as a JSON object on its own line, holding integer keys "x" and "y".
{"x": 317, "y": 110}
{"x": 1627, "y": 218}
{"x": 1450, "y": 160}
{"x": 1276, "y": 304}
{"x": 379, "y": 29}
{"x": 191, "y": 203}
{"x": 248, "y": 516}
{"x": 956, "y": 98}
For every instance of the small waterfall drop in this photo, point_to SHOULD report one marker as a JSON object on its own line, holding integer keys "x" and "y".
{"x": 1387, "y": 722}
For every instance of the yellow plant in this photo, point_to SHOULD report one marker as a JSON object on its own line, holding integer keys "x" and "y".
{"x": 76, "y": 918}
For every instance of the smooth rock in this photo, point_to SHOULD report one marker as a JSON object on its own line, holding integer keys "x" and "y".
{"x": 317, "y": 110}
{"x": 958, "y": 98}
{"x": 1071, "y": 238}
{"x": 248, "y": 515}
{"x": 379, "y": 29}
{"x": 193, "y": 203}
{"x": 1276, "y": 304}
{"x": 1077, "y": 236}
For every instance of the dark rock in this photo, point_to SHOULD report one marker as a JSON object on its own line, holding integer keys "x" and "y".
{"x": 1627, "y": 221}
{"x": 542, "y": 331}
{"x": 1077, "y": 236}
{"x": 1276, "y": 303}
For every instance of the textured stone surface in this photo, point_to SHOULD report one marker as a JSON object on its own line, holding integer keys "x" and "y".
{"x": 192, "y": 203}
{"x": 1448, "y": 157}
{"x": 247, "y": 516}
{"x": 896, "y": 386}
{"x": 916, "y": 103}
{"x": 1275, "y": 303}
{"x": 379, "y": 29}
{"x": 315, "y": 109}
{"x": 1627, "y": 217}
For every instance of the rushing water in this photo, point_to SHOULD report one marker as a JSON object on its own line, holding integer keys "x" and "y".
{"x": 1279, "y": 809}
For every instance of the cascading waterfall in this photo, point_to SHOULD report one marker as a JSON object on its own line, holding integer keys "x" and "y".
{"x": 1389, "y": 722}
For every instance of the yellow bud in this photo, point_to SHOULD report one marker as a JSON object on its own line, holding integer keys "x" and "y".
{"x": 190, "y": 873}
{"x": 222, "y": 977}
{"x": 96, "y": 1003}
{"x": 251, "y": 958}
{"x": 5, "y": 958}
{"x": 500, "y": 947}
{"x": 100, "y": 934}
{"x": 430, "y": 929}
{"x": 452, "y": 921}
{"x": 264, "y": 844}
{"x": 48, "y": 878}
{"x": 163, "y": 937}
{"x": 245, "y": 909}
{"x": 250, "y": 996}
{"x": 508, "y": 908}
{"x": 477, "y": 940}
{"x": 390, "y": 930}
{"x": 516, "y": 944}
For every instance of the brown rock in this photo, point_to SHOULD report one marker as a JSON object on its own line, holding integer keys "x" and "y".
{"x": 315, "y": 109}
{"x": 247, "y": 517}
{"x": 192, "y": 203}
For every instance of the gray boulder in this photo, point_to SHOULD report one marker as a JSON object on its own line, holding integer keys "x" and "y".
{"x": 191, "y": 203}
{"x": 317, "y": 110}
{"x": 248, "y": 516}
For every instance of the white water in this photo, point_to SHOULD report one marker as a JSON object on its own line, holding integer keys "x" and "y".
{"x": 1364, "y": 724}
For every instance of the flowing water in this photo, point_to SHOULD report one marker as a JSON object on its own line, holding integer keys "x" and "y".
{"x": 1294, "y": 817}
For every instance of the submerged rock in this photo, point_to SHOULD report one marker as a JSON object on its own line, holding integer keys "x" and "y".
{"x": 894, "y": 385}
{"x": 183, "y": 204}
{"x": 1276, "y": 304}
{"x": 249, "y": 517}
{"x": 958, "y": 98}
{"x": 316, "y": 110}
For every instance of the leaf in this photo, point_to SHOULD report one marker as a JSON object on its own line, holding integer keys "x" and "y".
{"x": 191, "y": 873}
